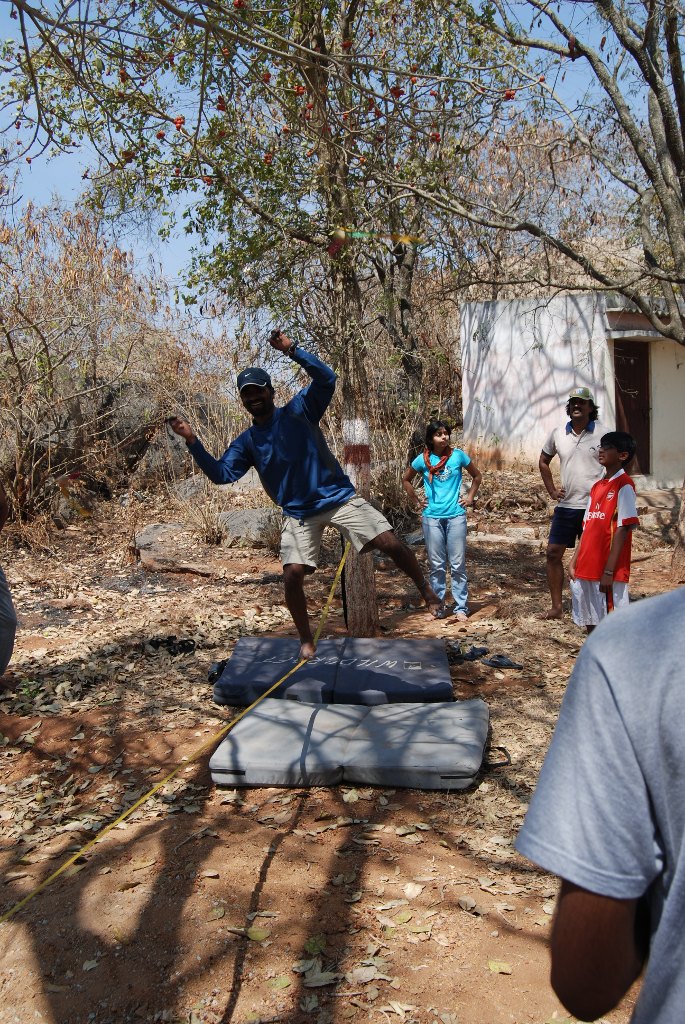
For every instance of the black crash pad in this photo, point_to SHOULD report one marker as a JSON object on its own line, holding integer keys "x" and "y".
{"x": 345, "y": 671}
{"x": 420, "y": 746}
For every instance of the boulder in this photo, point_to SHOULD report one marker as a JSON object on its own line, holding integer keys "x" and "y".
{"x": 249, "y": 525}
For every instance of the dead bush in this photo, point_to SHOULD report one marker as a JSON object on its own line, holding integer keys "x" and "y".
{"x": 202, "y": 511}
{"x": 389, "y": 495}
{"x": 271, "y": 533}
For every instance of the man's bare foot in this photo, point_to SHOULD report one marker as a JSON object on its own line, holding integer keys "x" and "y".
{"x": 461, "y": 616}
{"x": 553, "y": 613}
{"x": 435, "y": 605}
{"x": 307, "y": 650}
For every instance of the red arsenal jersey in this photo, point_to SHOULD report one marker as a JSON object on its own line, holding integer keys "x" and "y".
{"x": 611, "y": 504}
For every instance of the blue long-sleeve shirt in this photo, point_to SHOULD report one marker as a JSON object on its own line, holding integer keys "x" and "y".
{"x": 295, "y": 465}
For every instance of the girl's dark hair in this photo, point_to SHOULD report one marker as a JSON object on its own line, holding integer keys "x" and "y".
{"x": 594, "y": 411}
{"x": 431, "y": 430}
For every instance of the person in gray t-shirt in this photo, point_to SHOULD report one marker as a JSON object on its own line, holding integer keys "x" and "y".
{"x": 608, "y": 817}
{"x": 577, "y": 445}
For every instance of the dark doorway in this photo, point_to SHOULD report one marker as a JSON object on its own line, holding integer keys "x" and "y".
{"x": 631, "y": 367}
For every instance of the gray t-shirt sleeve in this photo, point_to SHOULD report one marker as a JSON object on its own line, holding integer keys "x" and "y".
{"x": 549, "y": 447}
{"x": 590, "y": 818}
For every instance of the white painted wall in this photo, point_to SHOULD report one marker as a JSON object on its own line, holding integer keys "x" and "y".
{"x": 667, "y": 375}
{"x": 520, "y": 359}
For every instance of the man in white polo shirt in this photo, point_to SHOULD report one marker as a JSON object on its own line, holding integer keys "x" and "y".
{"x": 577, "y": 445}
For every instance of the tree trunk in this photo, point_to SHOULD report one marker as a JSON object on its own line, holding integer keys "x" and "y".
{"x": 678, "y": 560}
{"x": 360, "y": 584}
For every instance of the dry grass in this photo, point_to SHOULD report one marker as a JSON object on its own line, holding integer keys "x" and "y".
{"x": 202, "y": 512}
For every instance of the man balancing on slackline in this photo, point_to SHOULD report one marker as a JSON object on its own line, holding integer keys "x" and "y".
{"x": 300, "y": 474}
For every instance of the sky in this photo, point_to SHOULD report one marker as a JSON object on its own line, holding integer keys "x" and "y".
{"x": 61, "y": 177}
{"x": 40, "y": 180}
{"x": 44, "y": 178}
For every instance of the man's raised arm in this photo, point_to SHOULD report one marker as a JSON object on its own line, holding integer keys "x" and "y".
{"x": 316, "y": 398}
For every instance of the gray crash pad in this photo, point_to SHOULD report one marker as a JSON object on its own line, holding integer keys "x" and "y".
{"x": 286, "y": 743}
{"x": 345, "y": 671}
{"x": 419, "y": 746}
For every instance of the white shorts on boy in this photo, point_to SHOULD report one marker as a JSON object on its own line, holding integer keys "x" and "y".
{"x": 589, "y": 604}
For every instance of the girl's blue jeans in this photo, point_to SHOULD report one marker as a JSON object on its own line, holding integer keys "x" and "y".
{"x": 446, "y": 545}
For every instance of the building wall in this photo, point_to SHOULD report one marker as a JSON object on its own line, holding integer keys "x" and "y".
{"x": 520, "y": 359}
{"x": 667, "y": 372}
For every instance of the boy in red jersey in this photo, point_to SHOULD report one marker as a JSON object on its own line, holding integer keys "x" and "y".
{"x": 600, "y": 568}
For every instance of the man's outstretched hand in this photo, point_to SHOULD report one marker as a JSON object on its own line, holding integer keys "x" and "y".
{"x": 280, "y": 341}
{"x": 182, "y": 428}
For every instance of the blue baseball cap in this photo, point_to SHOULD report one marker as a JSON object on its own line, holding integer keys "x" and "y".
{"x": 253, "y": 375}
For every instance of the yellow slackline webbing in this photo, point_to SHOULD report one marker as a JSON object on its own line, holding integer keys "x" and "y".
{"x": 184, "y": 763}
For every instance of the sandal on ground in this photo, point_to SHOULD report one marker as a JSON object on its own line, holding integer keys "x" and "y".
{"x": 501, "y": 661}
{"x": 474, "y": 653}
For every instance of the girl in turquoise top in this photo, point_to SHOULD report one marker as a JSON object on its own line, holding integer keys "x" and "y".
{"x": 444, "y": 515}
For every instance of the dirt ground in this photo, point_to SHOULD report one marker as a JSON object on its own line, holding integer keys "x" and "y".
{"x": 261, "y": 905}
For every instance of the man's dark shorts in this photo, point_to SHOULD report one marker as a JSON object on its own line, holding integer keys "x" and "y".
{"x": 567, "y": 526}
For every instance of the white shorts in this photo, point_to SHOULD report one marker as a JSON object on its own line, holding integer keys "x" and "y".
{"x": 357, "y": 520}
{"x": 589, "y": 604}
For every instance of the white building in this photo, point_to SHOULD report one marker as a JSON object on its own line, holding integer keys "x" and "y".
{"x": 520, "y": 359}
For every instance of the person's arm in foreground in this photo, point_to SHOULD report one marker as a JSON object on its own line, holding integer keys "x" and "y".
{"x": 557, "y": 493}
{"x": 408, "y": 487}
{"x": 476, "y": 481}
{"x": 598, "y": 950}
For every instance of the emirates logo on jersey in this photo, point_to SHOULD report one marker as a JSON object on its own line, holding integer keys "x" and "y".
{"x": 596, "y": 515}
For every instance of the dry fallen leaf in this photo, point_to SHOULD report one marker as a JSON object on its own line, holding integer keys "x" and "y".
{"x": 403, "y": 917}
{"x": 282, "y": 981}
{"x": 314, "y": 977}
{"x": 499, "y": 966}
{"x": 420, "y": 928}
{"x": 139, "y": 865}
{"x": 401, "y": 1009}
{"x": 361, "y": 975}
